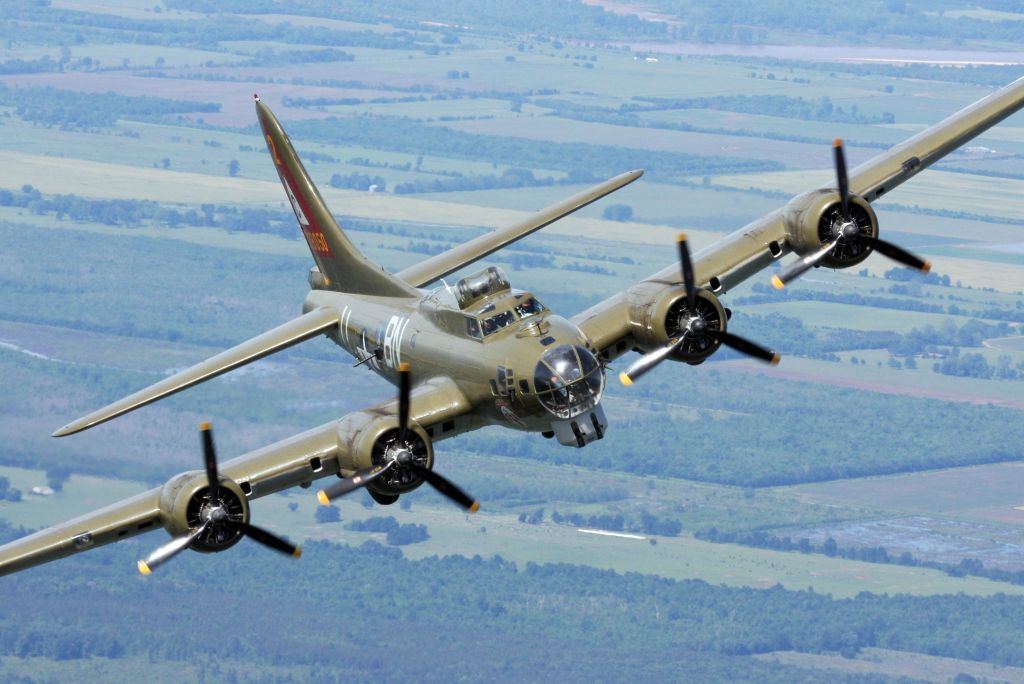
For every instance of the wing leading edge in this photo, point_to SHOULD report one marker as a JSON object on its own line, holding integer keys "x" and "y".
{"x": 429, "y": 270}
{"x": 305, "y": 457}
{"x": 291, "y": 333}
{"x": 750, "y": 249}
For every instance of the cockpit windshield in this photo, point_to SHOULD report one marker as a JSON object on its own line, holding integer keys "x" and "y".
{"x": 486, "y": 322}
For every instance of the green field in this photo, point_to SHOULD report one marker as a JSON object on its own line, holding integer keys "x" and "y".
{"x": 487, "y": 534}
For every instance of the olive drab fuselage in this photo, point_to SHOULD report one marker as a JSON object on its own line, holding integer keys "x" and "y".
{"x": 496, "y": 372}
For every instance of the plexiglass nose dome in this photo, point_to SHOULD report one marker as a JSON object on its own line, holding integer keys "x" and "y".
{"x": 568, "y": 380}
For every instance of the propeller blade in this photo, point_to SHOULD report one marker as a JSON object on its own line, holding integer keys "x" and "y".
{"x": 896, "y": 253}
{"x": 210, "y": 457}
{"x": 688, "y": 277}
{"x": 447, "y": 488}
{"x": 403, "y": 400}
{"x": 350, "y": 484}
{"x": 800, "y": 267}
{"x": 258, "y": 534}
{"x": 647, "y": 362}
{"x": 843, "y": 183}
{"x": 169, "y": 550}
{"x": 744, "y": 345}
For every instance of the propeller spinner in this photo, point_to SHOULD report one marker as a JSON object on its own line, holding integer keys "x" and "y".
{"x": 219, "y": 519}
{"x": 399, "y": 455}
{"x": 846, "y": 230}
{"x": 695, "y": 327}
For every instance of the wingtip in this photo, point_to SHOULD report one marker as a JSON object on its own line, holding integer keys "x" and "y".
{"x": 777, "y": 282}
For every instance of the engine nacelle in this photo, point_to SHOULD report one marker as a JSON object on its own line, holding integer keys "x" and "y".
{"x": 374, "y": 438}
{"x": 658, "y": 315}
{"x": 813, "y": 219}
{"x": 181, "y": 505}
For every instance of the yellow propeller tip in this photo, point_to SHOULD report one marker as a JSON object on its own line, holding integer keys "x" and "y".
{"x": 475, "y": 507}
{"x": 404, "y": 367}
{"x": 205, "y": 425}
{"x": 775, "y": 359}
{"x": 927, "y": 267}
{"x": 321, "y": 496}
{"x": 681, "y": 237}
{"x": 838, "y": 142}
{"x": 297, "y": 553}
{"x": 625, "y": 379}
{"x": 143, "y": 568}
{"x": 777, "y": 282}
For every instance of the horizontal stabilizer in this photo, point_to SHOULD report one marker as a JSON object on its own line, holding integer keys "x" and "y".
{"x": 455, "y": 258}
{"x": 302, "y": 328}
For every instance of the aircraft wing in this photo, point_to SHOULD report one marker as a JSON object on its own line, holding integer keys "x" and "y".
{"x": 298, "y": 330}
{"x": 466, "y": 253}
{"x": 748, "y": 250}
{"x": 293, "y": 461}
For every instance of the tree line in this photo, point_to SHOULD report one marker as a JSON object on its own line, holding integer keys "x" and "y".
{"x": 572, "y": 622}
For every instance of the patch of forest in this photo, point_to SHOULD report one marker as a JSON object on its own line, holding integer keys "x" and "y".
{"x": 571, "y": 622}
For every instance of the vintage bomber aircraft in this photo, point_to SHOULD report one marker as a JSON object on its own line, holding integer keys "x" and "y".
{"x": 483, "y": 353}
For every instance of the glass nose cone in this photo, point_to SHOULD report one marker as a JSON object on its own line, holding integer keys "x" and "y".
{"x": 568, "y": 380}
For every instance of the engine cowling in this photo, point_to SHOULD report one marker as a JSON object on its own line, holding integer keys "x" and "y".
{"x": 813, "y": 219}
{"x": 182, "y": 502}
{"x": 665, "y": 316}
{"x": 374, "y": 440}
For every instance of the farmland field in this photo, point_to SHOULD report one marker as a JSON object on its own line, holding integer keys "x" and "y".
{"x": 421, "y": 130}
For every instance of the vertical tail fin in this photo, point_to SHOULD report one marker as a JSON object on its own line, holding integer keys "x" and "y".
{"x": 342, "y": 264}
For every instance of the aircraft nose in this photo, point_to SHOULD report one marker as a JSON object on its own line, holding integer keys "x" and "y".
{"x": 568, "y": 380}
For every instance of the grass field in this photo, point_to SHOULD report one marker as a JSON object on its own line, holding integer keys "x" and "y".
{"x": 876, "y": 376}
{"x": 899, "y": 664}
{"x": 487, "y": 534}
{"x": 985, "y": 493}
{"x": 116, "y": 670}
{"x": 935, "y": 189}
{"x": 793, "y": 155}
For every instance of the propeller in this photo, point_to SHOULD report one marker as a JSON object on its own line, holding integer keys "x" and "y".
{"x": 399, "y": 455}
{"x": 217, "y": 519}
{"x": 695, "y": 327}
{"x": 847, "y": 231}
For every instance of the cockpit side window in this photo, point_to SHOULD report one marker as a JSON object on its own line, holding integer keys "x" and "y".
{"x": 473, "y": 328}
{"x": 529, "y": 307}
{"x": 497, "y": 322}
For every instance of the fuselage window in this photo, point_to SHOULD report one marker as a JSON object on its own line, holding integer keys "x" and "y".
{"x": 473, "y": 328}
